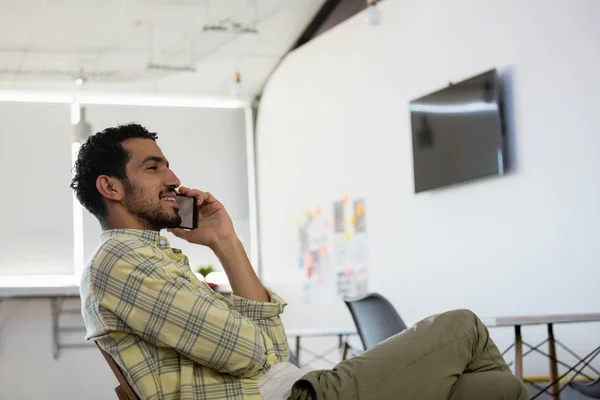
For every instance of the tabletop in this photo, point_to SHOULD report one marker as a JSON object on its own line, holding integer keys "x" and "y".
{"x": 541, "y": 319}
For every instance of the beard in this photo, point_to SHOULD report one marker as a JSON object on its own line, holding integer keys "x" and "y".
{"x": 144, "y": 207}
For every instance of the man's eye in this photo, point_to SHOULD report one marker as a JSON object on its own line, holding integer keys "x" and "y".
{"x": 152, "y": 167}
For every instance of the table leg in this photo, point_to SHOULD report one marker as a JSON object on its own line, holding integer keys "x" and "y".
{"x": 55, "y": 305}
{"x": 518, "y": 352}
{"x": 298, "y": 349}
{"x": 345, "y": 354}
{"x": 553, "y": 364}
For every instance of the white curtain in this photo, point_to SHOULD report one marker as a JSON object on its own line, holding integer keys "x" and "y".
{"x": 36, "y": 214}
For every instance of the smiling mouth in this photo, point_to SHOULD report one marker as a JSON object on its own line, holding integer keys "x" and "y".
{"x": 171, "y": 199}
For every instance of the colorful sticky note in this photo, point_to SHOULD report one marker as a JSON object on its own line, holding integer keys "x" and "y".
{"x": 309, "y": 272}
{"x": 346, "y": 199}
{"x": 324, "y": 249}
{"x": 328, "y": 224}
{"x": 308, "y": 261}
{"x": 360, "y": 209}
{"x": 319, "y": 211}
{"x": 353, "y": 220}
{"x": 296, "y": 223}
{"x": 347, "y": 237}
{"x": 301, "y": 262}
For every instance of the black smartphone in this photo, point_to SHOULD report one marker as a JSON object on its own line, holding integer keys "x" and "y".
{"x": 188, "y": 212}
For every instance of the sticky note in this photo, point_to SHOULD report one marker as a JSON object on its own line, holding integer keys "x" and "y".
{"x": 319, "y": 211}
{"x": 301, "y": 262}
{"x": 346, "y": 199}
{"x": 347, "y": 237}
{"x": 308, "y": 261}
{"x": 324, "y": 249}
{"x": 353, "y": 220}
{"x": 360, "y": 209}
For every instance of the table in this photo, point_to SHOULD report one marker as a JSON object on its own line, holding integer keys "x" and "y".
{"x": 56, "y": 289}
{"x": 549, "y": 320}
{"x": 341, "y": 333}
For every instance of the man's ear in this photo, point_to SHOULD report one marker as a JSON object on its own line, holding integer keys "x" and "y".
{"x": 110, "y": 188}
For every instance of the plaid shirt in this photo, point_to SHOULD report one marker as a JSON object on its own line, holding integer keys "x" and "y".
{"x": 173, "y": 337}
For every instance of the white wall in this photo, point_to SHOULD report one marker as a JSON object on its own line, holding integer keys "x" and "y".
{"x": 334, "y": 119}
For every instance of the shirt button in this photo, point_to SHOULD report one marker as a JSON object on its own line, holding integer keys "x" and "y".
{"x": 162, "y": 242}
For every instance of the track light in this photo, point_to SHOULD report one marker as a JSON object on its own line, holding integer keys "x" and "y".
{"x": 373, "y": 15}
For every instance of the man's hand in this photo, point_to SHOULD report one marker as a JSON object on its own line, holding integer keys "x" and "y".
{"x": 215, "y": 230}
{"x": 214, "y": 224}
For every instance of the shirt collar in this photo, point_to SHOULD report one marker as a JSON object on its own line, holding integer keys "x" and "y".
{"x": 151, "y": 237}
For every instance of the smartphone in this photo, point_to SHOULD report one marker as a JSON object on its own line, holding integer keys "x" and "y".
{"x": 188, "y": 212}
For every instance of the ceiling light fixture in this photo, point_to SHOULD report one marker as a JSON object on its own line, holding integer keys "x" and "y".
{"x": 75, "y": 106}
{"x": 75, "y": 112}
{"x": 373, "y": 15}
{"x": 82, "y": 129}
{"x": 237, "y": 91}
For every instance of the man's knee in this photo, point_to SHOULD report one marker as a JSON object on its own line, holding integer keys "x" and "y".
{"x": 463, "y": 320}
{"x": 463, "y": 315}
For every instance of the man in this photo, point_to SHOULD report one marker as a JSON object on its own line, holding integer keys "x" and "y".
{"x": 175, "y": 338}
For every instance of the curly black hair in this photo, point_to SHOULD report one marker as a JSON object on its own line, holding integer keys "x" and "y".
{"x": 103, "y": 154}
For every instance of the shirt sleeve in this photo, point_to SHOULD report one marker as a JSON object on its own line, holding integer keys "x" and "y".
{"x": 267, "y": 317}
{"x": 149, "y": 294}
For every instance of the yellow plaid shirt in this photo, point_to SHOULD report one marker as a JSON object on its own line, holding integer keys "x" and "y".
{"x": 173, "y": 337}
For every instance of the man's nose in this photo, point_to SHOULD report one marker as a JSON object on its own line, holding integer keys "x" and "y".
{"x": 172, "y": 179}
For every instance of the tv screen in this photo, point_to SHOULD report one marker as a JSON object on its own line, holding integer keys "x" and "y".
{"x": 457, "y": 133}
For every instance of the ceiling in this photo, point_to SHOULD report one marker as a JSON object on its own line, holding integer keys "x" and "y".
{"x": 47, "y": 44}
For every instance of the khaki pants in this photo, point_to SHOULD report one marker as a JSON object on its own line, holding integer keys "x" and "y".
{"x": 449, "y": 356}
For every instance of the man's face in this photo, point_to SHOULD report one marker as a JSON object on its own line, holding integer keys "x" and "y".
{"x": 150, "y": 193}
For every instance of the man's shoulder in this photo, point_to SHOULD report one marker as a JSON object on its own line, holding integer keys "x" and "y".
{"x": 123, "y": 243}
{"x": 119, "y": 246}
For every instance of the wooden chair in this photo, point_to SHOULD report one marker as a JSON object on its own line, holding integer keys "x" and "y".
{"x": 124, "y": 390}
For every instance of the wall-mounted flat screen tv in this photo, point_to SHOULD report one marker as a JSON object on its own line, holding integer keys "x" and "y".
{"x": 457, "y": 133}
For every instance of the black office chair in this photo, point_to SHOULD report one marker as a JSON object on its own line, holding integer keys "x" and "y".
{"x": 589, "y": 389}
{"x": 375, "y": 318}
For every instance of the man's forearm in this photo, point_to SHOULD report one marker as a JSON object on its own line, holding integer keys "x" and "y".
{"x": 240, "y": 273}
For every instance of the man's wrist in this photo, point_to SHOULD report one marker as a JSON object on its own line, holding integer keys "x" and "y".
{"x": 226, "y": 246}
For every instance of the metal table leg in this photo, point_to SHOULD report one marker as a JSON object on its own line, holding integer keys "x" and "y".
{"x": 553, "y": 365}
{"x": 298, "y": 349}
{"x": 518, "y": 352}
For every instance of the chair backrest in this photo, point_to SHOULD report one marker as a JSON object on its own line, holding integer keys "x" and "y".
{"x": 375, "y": 317}
{"x": 124, "y": 390}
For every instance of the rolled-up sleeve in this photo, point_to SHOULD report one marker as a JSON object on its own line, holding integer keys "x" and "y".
{"x": 267, "y": 316}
